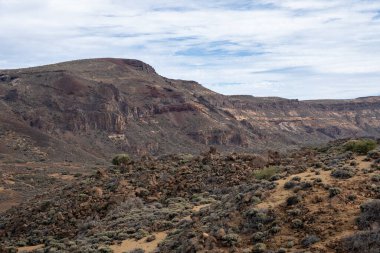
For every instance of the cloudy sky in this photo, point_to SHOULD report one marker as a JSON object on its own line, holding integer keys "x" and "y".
{"x": 290, "y": 48}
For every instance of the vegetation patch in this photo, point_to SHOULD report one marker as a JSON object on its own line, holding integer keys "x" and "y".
{"x": 369, "y": 214}
{"x": 266, "y": 173}
{"x": 343, "y": 173}
{"x": 121, "y": 159}
{"x": 361, "y": 147}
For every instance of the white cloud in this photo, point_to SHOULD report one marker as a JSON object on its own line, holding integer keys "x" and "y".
{"x": 289, "y": 48}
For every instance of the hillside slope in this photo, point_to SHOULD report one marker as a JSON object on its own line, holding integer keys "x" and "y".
{"x": 94, "y": 108}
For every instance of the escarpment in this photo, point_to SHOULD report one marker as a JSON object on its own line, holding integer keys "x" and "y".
{"x": 80, "y": 104}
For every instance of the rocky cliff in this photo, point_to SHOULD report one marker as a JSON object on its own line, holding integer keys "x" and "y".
{"x": 95, "y": 108}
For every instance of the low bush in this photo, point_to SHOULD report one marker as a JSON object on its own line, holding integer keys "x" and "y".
{"x": 259, "y": 248}
{"x": 373, "y": 154}
{"x": 362, "y": 242}
{"x": 351, "y": 197}
{"x": 275, "y": 177}
{"x": 231, "y": 239}
{"x": 258, "y": 237}
{"x": 293, "y": 200}
{"x": 376, "y": 178}
{"x": 266, "y": 173}
{"x": 344, "y": 173}
{"x": 136, "y": 251}
{"x": 361, "y": 147}
{"x": 290, "y": 184}
{"x": 369, "y": 214}
{"x": 309, "y": 240}
{"x": 255, "y": 218}
{"x": 297, "y": 223}
{"x": 121, "y": 159}
{"x": 306, "y": 185}
{"x": 296, "y": 178}
{"x": 294, "y": 212}
{"x": 275, "y": 229}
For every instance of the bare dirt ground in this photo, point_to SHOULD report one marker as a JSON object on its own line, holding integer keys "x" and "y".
{"x": 29, "y": 248}
{"x": 131, "y": 244}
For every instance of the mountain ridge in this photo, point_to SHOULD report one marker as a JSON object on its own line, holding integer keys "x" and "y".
{"x": 98, "y": 107}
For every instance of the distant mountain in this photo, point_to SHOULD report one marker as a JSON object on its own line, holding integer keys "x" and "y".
{"x": 95, "y": 108}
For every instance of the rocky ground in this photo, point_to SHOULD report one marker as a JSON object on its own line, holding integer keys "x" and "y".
{"x": 311, "y": 200}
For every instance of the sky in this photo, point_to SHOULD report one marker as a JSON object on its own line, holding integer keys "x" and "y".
{"x": 305, "y": 49}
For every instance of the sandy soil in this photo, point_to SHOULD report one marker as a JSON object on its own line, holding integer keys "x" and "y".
{"x": 131, "y": 244}
{"x": 362, "y": 164}
{"x": 60, "y": 176}
{"x": 198, "y": 208}
{"x": 29, "y": 248}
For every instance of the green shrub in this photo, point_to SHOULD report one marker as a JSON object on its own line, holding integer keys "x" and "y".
{"x": 361, "y": 147}
{"x": 275, "y": 229}
{"x": 259, "y": 248}
{"x": 289, "y": 185}
{"x": 296, "y": 178}
{"x": 343, "y": 173}
{"x": 266, "y": 173}
{"x": 373, "y": 154}
{"x": 366, "y": 241}
{"x": 105, "y": 249}
{"x": 258, "y": 237}
{"x": 121, "y": 159}
{"x": 351, "y": 197}
{"x": 293, "y": 200}
{"x": 376, "y": 178}
{"x": 309, "y": 240}
{"x": 231, "y": 239}
{"x": 369, "y": 214}
{"x": 297, "y": 223}
{"x": 294, "y": 212}
{"x": 334, "y": 191}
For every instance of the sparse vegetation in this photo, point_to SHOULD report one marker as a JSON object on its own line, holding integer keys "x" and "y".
{"x": 367, "y": 241}
{"x": 204, "y": 203}
{"x": 369, "y": 214}
{"x": 362, "y": 242}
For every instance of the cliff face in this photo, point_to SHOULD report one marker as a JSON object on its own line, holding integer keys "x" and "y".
{"x": 99, "y": 107}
